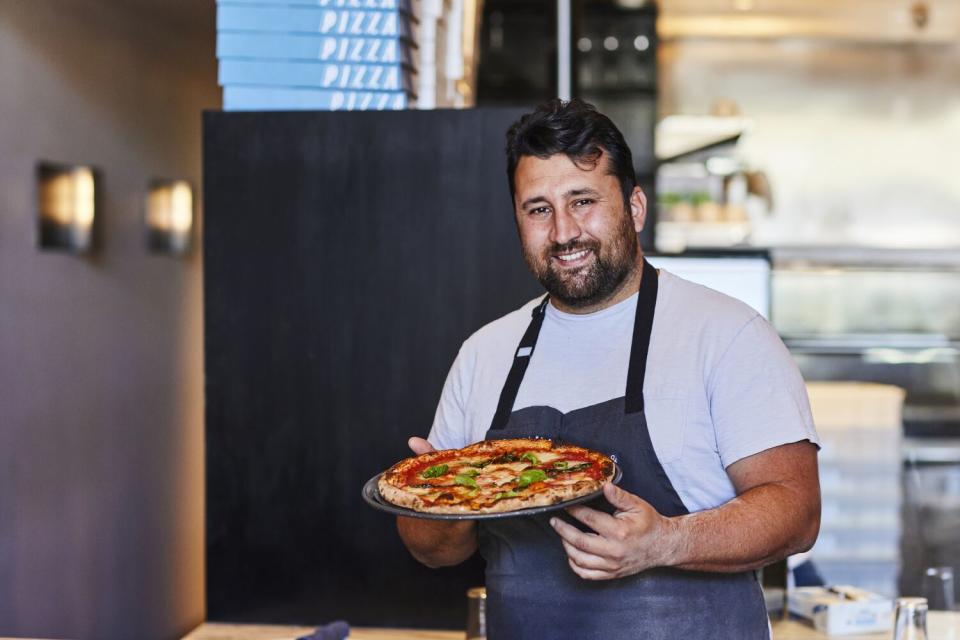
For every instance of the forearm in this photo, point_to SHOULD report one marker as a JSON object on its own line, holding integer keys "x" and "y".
{"x": 438, "y": 543}
{"x": 760, "y": 526}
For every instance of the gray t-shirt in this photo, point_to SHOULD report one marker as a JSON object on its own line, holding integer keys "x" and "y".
{"x": 719, "y": 385}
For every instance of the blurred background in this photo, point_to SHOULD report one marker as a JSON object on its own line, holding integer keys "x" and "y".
{"x": 157, "y": 294}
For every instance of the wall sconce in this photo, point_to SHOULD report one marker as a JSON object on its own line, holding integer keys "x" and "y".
{"x": 169, "y": 217}
{"x": 66, "y": 206}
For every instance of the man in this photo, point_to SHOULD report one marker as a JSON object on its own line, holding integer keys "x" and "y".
{"x": 690, "y": 390}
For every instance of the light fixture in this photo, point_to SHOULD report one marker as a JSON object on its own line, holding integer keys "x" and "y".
{"x": 169, "y": 216}
{"x": 66, "y": 206}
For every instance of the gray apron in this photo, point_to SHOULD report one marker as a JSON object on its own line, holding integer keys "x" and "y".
{"x": 531, "y": 590}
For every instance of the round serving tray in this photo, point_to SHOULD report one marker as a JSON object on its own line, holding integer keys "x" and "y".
{"x": 371, "y": 493}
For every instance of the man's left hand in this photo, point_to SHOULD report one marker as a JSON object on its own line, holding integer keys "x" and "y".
{"x": 629, "y": 541}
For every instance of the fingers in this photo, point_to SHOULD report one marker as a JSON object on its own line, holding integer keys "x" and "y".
{"x": 620, "y": 544}
{"x": 622, "y": 500}
{"x": 587, "y": 561}
{"x": 586, "y": 555}
{"x": 588, "y": 542}
{"x": 603, "y": 523}
{"x": 419, "y": 446}
{"x": 592, "y": 574}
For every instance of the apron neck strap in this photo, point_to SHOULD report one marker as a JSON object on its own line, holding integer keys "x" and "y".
{"x": 642, "y": 328}
{"x": 521, "y": 359}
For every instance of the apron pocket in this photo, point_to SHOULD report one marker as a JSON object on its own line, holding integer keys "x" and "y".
{"x": 666, "y": 411}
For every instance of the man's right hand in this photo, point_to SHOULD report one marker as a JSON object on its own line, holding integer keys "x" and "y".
{"x": 419, "y": 445}
{"x": 436, "y": 543}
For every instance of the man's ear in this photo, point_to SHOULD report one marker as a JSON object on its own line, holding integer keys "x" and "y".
{"x": 638, "y": 208}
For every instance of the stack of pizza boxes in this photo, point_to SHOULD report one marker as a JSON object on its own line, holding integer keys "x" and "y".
{"x": 317, "y": 54}
{"x": 861, "y": 431}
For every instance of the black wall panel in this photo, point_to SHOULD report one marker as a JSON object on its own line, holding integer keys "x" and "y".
{"x": 346, "y": 257}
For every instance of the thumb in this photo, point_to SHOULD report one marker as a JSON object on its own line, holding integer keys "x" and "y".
{"x": 419, "y": 446}
{"x": 622, "y": 500}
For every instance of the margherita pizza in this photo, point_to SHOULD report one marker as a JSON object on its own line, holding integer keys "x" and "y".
{"x": 495, "y": 476}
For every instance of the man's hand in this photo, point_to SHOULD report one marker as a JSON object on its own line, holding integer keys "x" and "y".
{"x": 776, "y": 513}
{"x": 419, "y": 446}
{"x": 627, "y": 542}
{"x": 436, "y": 543}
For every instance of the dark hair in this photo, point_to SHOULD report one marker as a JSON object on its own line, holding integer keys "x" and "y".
{"x": 576, "y": 129}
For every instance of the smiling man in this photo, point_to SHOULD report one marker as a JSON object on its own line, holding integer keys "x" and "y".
{"x": 690, "y": 390}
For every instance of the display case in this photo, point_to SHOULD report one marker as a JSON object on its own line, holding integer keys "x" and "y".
{"x": 877, "y": 316}
{"x": 889, "y": 317}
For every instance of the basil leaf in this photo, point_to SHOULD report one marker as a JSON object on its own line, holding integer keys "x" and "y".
{"x": 529, "y": 476}
{"x": 473, "y": 473}
{"x": 435, "y": 471}
{"x": 561, "y": 465}
{"x": 529, "y": 457}
{"x": 465, "y": 481}
{"x": 506, "y": 494}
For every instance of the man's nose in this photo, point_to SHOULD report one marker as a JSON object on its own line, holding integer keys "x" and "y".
{"x": 565, "y": 228}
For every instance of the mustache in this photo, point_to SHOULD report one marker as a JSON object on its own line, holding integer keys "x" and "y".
{"x": 573, "y": 245}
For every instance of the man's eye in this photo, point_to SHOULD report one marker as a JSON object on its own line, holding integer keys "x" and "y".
{"x": 583, "y": 202}
{"x": 539, "y": 210}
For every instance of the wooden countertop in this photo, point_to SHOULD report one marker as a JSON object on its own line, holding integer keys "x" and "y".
{"x": 940, "y": 625}
{"x": 222, "y": 631}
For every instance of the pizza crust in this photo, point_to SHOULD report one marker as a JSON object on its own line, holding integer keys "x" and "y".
{"x": 439, "y": 495}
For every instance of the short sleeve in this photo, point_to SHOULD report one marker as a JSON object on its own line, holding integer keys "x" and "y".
{"x": 758, "y": 399}
{"x": 449, "y": 429}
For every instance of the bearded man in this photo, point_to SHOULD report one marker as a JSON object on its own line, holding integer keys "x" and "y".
{"x": 691, "y": 391}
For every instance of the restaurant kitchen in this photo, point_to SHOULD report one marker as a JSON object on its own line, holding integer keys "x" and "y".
{"x": 818, "y": 138}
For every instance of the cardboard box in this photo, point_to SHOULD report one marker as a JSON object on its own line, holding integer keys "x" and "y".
{"x": 290, "y": 98}
{"x": 333, "y": 22}
{"x": 309, "y": 46}
{"x": 841, "y": 610}
{"x": 319, "y": 75}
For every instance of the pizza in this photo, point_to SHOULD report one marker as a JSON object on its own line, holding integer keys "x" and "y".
{"x": 495, "y": 476}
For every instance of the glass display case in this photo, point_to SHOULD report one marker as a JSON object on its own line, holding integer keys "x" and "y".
{"x": 889, "y": 317}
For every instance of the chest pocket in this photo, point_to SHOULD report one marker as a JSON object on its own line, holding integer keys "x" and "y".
{"x": 665, "y": 407}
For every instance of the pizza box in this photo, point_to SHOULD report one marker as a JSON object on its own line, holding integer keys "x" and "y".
{"x": 239, "y": 98}
{"x": 320, "y": 75}
{"x": 304, "y": 46}
{"x": 841, "y": 610}
{"x": 312, "y": 19}
{"x": 405, "y": 5}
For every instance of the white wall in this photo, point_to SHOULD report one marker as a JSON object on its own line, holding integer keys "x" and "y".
{"x": 861, "y": 142}
{"x": 101, "y": 396}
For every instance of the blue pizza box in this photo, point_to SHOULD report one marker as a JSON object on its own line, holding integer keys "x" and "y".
{"x": 241, "y": 98}
{"x": 321, "y": 75}
{"x": 337, "y": 22}
{"x": 299, "y": 46}
{"x": 405, "y": 5}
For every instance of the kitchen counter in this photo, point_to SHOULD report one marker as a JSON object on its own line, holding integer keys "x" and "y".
{"x": 223, "y": 631}
{"x": 941, "y": 626}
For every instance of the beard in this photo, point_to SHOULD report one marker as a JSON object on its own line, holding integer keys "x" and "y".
{"x": 594, "y": 282}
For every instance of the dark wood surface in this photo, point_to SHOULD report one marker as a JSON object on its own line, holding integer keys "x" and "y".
{"x": 347, "y": 256}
